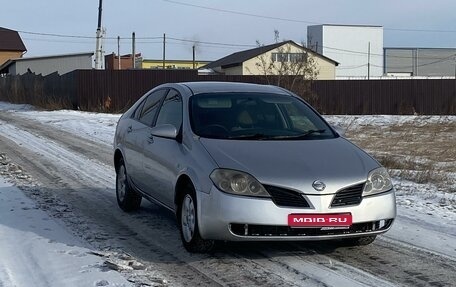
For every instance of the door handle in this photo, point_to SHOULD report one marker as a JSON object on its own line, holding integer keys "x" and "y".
{"x": 150, "y": 140}
{"x": 129, "y": 129}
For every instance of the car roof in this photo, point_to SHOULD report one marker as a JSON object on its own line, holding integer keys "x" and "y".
{"x": 212, "y": 87}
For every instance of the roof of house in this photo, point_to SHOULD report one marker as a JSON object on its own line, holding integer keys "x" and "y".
{"x": 11, "y": 41}
{"x": 88, "y": 54}
{"x": 237, "y": 58}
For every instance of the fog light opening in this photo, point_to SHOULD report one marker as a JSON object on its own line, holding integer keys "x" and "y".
{"x": 376, "y": 225}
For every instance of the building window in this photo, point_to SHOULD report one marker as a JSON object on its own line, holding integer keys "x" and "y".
{"x": 289, "y": 57}
{"x": 298, "y": 57}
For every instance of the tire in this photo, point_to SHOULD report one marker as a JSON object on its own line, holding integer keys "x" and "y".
{"x": 188, "y": 224}
{"x": 127, "y": 198}
{"x": 358, "y": 241}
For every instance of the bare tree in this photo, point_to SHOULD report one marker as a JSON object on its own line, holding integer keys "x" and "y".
{"x": 290, "y": 66}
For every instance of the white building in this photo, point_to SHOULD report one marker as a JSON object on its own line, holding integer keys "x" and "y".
{"x": 46, "y": 65}
{"x": 349, "y": 45}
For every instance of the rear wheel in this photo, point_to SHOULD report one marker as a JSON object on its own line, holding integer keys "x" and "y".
{"x": 127, "y": 198}
{"x": 188, "y": 223}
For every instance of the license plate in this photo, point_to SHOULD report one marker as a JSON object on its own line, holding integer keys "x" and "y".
{"x": 320, "y": 220}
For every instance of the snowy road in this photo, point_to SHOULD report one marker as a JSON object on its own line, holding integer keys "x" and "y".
{"x": 75, "y": 184}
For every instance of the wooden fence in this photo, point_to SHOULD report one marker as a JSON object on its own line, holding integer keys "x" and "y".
{"x": 115, "y": 91}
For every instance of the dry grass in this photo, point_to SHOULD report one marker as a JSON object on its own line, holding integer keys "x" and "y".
{"x": 422, "y": 152}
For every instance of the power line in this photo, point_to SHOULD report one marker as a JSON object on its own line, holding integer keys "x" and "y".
{"x": 82, "y": 36}
{"x": 129, "y": 38}
{"x": 212, "y": 43}
{"x": 240, "y": 13}
{"x": 112, "y": 40}
{"x": 352, "y": 67}
{"x": 202, "y": 43}
{"x": 296, "y": 20}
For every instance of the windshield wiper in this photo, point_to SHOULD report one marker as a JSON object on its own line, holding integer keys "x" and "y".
{"x": 302, "y": 136}
{"x": 257, "y": 136}
{"x": 260, "y": 136}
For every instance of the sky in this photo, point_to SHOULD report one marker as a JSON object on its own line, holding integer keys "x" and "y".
{"x": 407, "y": 23}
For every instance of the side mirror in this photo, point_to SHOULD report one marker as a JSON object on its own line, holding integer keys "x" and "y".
{"x": 165, "y": 131}
{"x": 339, "y": 130}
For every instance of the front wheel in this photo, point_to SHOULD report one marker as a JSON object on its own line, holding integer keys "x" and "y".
{"x": 358, "y": 241}
{"x": 188, "y": 222}
{"x": 127, "y": 198}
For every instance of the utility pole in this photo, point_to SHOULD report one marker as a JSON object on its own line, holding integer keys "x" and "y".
{"x": 118, "y": 53}
{"x": 164, "y": 50}
{"x": 368, "y": 60}
{"x": 455, "y": 68}
{"x": 133, "y": 50}
{"x": 455, "y": 75}
{"x": 194, "y": 64}
{"x": 98, "y": 48}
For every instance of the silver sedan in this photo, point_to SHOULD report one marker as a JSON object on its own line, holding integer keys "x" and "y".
{"x": 240, "y": 162}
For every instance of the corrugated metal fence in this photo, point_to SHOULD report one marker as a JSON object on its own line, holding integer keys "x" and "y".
{"x": 115, "y": 91}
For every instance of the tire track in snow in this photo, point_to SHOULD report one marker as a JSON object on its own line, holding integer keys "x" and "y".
{"x": 80, "y": 167}
{"x": 286, "y": 264}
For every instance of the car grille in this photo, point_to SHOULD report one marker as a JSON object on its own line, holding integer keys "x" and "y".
{"x": 286, "y": 198}
{"x": 348, "y": 196}
{"x": 275, "y": 230}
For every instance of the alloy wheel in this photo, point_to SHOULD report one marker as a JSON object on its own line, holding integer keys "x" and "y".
{"x": 121, "y": 183}
{"x": 188, "y": 218}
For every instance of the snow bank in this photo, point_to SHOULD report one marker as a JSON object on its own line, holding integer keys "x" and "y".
{"x": 36, "y": 251}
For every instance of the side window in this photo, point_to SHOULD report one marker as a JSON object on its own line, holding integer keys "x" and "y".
{"x": 171, "y": 110}
{"x": 138, "y": 110}
{"x": 151, "y": 106}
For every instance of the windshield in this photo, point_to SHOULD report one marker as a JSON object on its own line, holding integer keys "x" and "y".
{"x": 255, "y": 116}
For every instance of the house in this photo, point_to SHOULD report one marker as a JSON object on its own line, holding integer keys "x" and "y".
{"x": 247, "y": 62}
{"x": 124, "y": 62}
{"x": 11, "y": 45}
{"x": 46, "y": 65}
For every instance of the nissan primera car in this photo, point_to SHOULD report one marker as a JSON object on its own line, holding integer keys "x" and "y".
{"x": 239, "y": 162}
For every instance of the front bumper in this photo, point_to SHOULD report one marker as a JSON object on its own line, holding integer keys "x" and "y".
{"x": 224, "y": 216}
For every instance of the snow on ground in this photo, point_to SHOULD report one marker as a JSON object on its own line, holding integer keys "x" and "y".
{"x": 426, "y": 215}
{"x": 353, "y": 122}
{"x": 99, "y": 127}
{"x": 36, "y": 251}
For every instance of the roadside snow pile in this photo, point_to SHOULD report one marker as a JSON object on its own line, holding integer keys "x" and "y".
{"x": 425, "y": 198}
{"x": 4, "y": 106}
{"x": 97, "y": 126}
{"x": 36, "y": 251}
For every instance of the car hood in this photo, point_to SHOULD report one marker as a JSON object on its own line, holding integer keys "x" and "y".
{"x": 295, "y": 164}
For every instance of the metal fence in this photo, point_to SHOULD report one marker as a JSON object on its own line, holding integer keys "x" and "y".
{"x": 115, "y": 91}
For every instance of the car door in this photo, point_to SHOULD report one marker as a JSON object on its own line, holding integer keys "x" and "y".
{"x": 161, "y": 155}
{"x": 139, "y": 134}
{"x": 132, "y": 144}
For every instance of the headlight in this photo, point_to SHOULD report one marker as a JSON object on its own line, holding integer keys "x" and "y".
{"x": 237, "y": 182}
{"x": 378, "y": 181}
